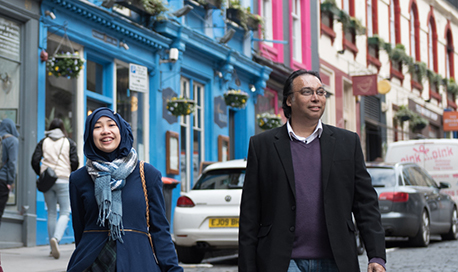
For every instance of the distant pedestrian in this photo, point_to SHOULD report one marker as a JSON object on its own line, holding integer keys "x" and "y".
{"x": 8, "y": 161}
{"x": 59, "y": 152}
{"x": 109, "y": 199}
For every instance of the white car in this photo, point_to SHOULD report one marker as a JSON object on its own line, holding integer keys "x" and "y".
{"x": 207, "y": 217}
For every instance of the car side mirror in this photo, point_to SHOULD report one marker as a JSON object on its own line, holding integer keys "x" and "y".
{"x": 444, "y": 185}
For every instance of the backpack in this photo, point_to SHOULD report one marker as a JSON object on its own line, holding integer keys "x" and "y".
{"x": 1, "y": 147}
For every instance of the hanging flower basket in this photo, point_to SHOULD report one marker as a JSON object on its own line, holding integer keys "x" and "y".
{"x": 417, "y": 123}
{"x": 180, "y": 106}
{"x": 65, "y": 65}
{"x": 404, "y": 114}
{"x": 236, "y": 98}
{"x": 452, "y": 87}
{"x": 268, "y": 121}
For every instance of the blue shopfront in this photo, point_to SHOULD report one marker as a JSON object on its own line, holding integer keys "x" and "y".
{"x": 134, "y": 63}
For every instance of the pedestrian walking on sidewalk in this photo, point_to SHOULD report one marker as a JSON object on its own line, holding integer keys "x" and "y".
{"x": 117, "y": 204}
{"x": 57, "y": 151}
{"x": 8, "y": 160}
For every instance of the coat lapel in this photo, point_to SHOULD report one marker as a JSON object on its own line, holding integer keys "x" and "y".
{"x": 327, "y": 143}
{"x": 283, "y": 146}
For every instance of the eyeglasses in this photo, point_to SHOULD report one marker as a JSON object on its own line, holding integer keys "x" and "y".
{"x": 309, "y": 91}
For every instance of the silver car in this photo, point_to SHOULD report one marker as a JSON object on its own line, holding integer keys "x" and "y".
{"x": 412, "y": 204}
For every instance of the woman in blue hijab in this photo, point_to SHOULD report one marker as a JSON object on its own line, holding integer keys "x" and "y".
{"x": 8, "y": 160}
{"x": 109, "y": 204}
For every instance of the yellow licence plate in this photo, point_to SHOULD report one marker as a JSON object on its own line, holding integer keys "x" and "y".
{"x": 223, "y": 223}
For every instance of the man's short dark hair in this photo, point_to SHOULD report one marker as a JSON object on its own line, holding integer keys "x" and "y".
{"x": 288, "y": 88}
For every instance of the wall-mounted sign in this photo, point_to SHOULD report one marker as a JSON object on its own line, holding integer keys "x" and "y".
{"x": 364, "y": 85}
{"x": 104, "y": 37}
{"x": 450, "y": 121}
{"x": 9, "y": 39}
{"x": 138, "y": 78}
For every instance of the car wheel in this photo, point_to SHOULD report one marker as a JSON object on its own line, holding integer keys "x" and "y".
{"x": 423, "y": 235}
{"x": 453, "y": 232}
{"x": 190, "y": 254}
{"x": 359, "y": 243}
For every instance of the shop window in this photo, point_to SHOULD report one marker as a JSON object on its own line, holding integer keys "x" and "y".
{"x": 191, "y": 134}
{"x": 60, "y": 94}
{"x": 10, "y": 74}
{"x": 130, "y": 104}
{"x": 94, "y": 77}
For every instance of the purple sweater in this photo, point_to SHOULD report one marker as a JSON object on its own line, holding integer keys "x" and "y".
{"x": 311, "y": 235}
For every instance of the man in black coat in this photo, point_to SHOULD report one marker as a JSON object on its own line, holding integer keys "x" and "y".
{"x": 303, "y": 182}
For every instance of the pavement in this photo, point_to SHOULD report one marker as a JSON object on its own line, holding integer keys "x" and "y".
{"x": 35, "y": 259}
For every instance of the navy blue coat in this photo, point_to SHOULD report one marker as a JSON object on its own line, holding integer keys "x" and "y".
{"x": 135, "y": 254}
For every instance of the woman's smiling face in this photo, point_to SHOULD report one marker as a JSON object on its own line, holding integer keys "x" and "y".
{"x": 106, "y": 135}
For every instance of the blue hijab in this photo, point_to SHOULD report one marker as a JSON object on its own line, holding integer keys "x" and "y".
{"x": 127, "y": 139}
{"x": 7, "y": 126}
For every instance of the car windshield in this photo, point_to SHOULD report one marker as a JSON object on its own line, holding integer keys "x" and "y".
{"x": 221, "y": 179}
{"x": 382, "y": 177}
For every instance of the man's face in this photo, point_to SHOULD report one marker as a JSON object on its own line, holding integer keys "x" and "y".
{"x": 309, "y": 107}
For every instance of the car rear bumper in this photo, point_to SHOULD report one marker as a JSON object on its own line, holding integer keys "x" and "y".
{"x": 191, "y": 228}
{"x": 218, "y": 238}
{"x": 400, "y": 224}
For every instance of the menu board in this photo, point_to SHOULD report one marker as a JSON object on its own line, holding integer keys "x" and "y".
{"x": 9, "y": 39}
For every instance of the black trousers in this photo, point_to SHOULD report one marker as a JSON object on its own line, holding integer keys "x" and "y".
{"x": 4, "y": 194}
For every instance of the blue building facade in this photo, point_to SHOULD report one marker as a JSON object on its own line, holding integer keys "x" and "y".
{"x": 135, "y": 62}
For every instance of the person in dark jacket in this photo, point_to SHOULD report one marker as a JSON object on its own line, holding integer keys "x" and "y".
{"x": 59, "y": 152}
{"x": 109, "y": 204}
{"x": 303, "y": 182}
{"x": 8, "y": 160}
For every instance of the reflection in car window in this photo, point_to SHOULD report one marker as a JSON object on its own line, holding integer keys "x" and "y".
{"x": 382, "y": 177}
{"x": 418, "y": 176}
{"x": 221, "y": 179}
{"x": 429, "y": 180}
{"x": 409, "y": 179}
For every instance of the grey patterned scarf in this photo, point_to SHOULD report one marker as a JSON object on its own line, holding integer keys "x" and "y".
{"x": 109, "y": 178}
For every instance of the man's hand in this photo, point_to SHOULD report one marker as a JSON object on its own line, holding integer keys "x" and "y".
{"x": 9, "y": 186}
{"x": 375, "y": 267}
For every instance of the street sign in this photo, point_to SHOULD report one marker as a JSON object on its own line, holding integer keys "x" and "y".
{"x": 138, "y": 78}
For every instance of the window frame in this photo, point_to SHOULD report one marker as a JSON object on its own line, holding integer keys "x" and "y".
{"x": 414, "y": 41}
{"x": 296, "y": 25}
{"x": 449, "y": 63}
{"x": 372, "y": 29}
{"x": 395, "y": 32}
{"x": 327, "y": 29}
{"x": 350, "y": 44}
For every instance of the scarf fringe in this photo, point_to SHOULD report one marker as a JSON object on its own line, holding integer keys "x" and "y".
{"x": 116, "y": 227}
